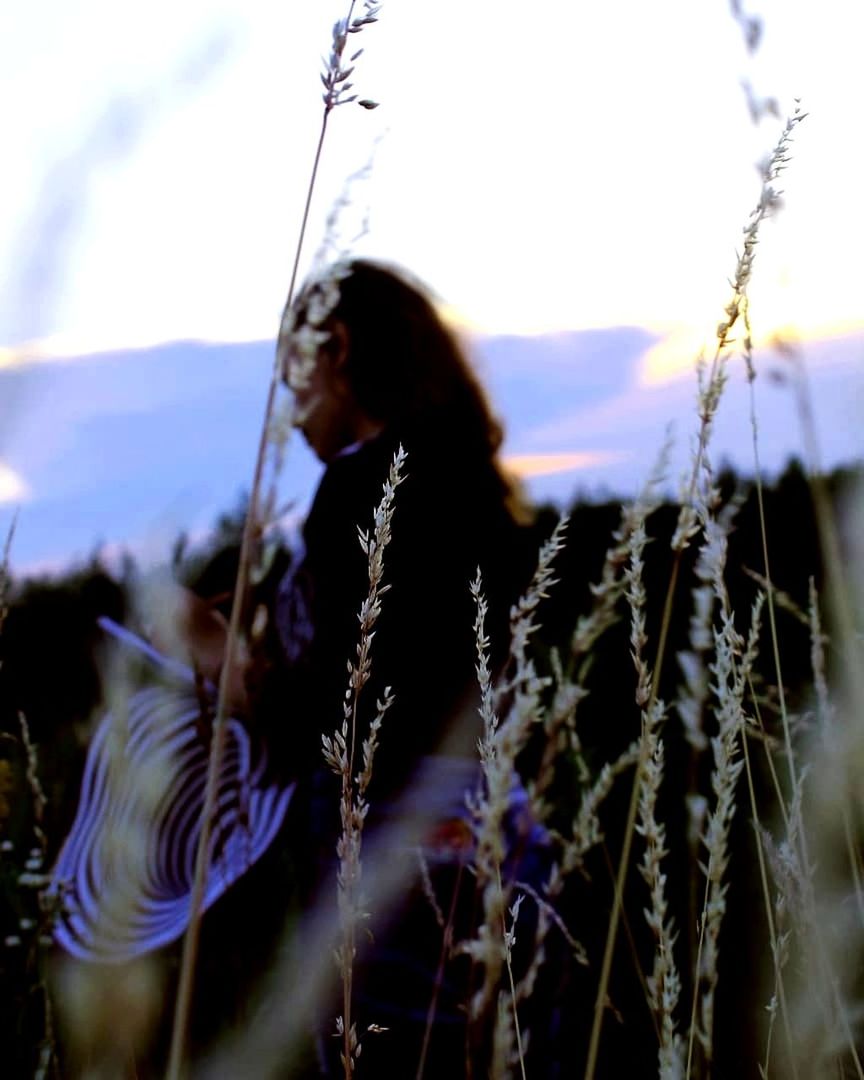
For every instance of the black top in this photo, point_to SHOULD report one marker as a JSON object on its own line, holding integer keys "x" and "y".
{"x": 450, "y": 516}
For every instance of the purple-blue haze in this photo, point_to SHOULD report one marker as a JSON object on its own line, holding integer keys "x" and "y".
{"x": 127, "y": 449}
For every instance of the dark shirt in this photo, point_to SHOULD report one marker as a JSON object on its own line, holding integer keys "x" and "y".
{"x": 451, "y": 515}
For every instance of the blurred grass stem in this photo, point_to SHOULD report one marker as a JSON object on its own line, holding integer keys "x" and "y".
{"x": 217, "y": 743}
{"x": 709, "y": 398}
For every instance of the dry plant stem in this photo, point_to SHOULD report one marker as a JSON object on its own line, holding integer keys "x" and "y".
{"x": 48, "y": 1053}
{"x": 838, "y": 593}
{"x": 695, "y": 666}
{"x": 709, "y": 401}
{"x": 508, "y": 942}
{"x": 488, "y": 811}
{"x": 839, "y": 598}
{"x": 629, "y": 828}
{"x": 775, "y": 646}
{"x": 796, "y": 829}
{"x": 217, "y": 748}
{"x": 446, "y": 945}
{"x": 828, "y": 538}
{"x": 309, "y": 193}
{"x": 217, "y": 743}
{"x": 730, "y": 681}
{"x": 828, "y": 734}
{"x": 763, "y": 531}
{"x": 624, "y": 860}
{"x": 782, "y": 599}
{"x": 5, "y": 578}
{"x": 499, "y": 748}
{"x": 769, "y": 759}
{"x": 664, "y": 985}
{"x": 339, "y": 754}
{"x": 815, "y": 926}
{"x": 772, "y": 931}
{"x": 37, "y": 794}
{"x": 828, "y": 541}
{"x": 561, "y": 718}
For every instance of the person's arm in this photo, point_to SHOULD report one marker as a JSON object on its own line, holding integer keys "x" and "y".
{"x": 185, "y": 626}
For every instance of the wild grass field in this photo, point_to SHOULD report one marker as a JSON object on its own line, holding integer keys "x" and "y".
{"x": 681, "y": 705}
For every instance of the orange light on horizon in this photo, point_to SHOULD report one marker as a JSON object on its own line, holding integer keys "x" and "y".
{"x": 676, "y": 355}
{"x": 529, "y": 466}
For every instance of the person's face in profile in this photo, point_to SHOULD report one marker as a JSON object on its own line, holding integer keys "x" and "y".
{"x": 325, "y": 408}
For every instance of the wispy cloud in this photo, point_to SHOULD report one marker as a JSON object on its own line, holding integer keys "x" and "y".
{"x": 674, "y": 357}
{"x": 530, "y": 466}
{"x": 79, "y": 348}
{"x": 135, "y": 444}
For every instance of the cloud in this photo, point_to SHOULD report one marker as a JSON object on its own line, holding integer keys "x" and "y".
{"x": 674, "y": 358}
{"x": 65, "y": 174}
{"x": 136, "y": 444}
{"x": 529, "y": 466}
{"x": 13, "y": 488}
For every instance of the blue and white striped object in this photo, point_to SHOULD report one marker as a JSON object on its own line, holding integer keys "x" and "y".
{"x": 123, "y": 880}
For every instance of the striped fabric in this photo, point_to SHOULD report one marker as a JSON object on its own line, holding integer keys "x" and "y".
{"x": 123, "y": 880}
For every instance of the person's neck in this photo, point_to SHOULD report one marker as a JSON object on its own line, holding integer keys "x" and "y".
{"x": 365, "y": 428}
{"x": 361, "y": 433}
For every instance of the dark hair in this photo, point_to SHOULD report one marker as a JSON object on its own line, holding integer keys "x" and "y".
{"x": 408, "y": 370}
{"x": 405, "y": 366}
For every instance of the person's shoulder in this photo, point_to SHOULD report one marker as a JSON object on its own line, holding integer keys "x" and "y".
{"x": 352, "y": 484}
{"x": 371, "y": 457}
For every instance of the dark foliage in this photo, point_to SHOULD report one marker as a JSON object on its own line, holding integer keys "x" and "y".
{"x": 52, "y": 654}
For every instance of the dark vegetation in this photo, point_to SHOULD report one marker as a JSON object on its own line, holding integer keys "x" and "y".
{"x": 53, "y": 656}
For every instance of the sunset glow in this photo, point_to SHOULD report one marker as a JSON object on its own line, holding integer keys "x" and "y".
{"x": 528, "y": 466}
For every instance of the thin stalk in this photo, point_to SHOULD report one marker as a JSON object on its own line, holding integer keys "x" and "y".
{"x": 772, "y": 769}
{"x": 349, "y": 937}
{"x": 631, "y": 942}
{"x": 824, "y": 963}
{"x": 5, "y": 577}
{"x": 838, "y": 594}
{"x": 305, "y": 220}
{"x": 696, "y": 969}
{"x": 629, "y": 828}
{"x": 825, "y": 523}
{"x": 763, "y": 533}
{"x": 347, "y": 990}
{"x": 446, "y": 944}
{"x": 772, "y": 931}
{"x": 831, "y": 548}
{"x": 830, "y": 542}
{"x": 512, "y": 982}
{"x": 217, "y": 743}
{"x": 775, "y": 646}
{"x": 709, "y": 399}
{"x": 841, "y": 609}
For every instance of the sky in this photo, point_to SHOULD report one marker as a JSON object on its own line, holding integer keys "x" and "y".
{"x": 554, "y": 170}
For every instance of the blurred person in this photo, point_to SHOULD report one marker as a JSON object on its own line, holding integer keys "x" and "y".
{"x": 373, "y": 368}
{"x": 387, "y": 372}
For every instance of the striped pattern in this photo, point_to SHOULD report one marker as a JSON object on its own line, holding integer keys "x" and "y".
{"x": 123, "y": 880}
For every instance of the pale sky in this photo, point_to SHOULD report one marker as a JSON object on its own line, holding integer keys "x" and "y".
{"x": 545, "y": 167}
{"x": 555, "y": 166}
